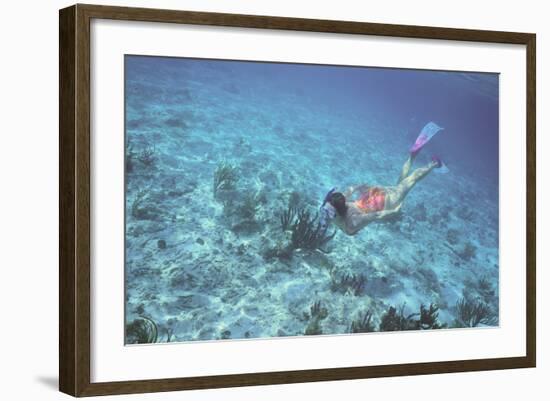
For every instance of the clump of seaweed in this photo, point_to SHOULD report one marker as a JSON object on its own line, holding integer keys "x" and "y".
{"x": 249, "y": 206}
{"x": 147, "y": 156}
{"x": 428, "y": 318}
{"x": 137, "y": 203}
{"x": 229, "y": 207}
{"x": 348, "y": 282}
{"x": 169, "y": 335}
{"x": 397, "y": 321}
{"x": 317, "y": 313}
{"x": 287, "y": 217}
{"x": 241, "y": 214}
{"x": 130, "y": 157}
{"x": 225, "y": 177}
{"x": 485, "y": 288}
{"x": 142, "y": 208}
{"x": 393, "y": 320}
{"x": 473, "y": 313}
{"x": 308, "y": 232}
{"x": 468, "y": 252}
{"x": 362, "y": 324}
{"x": 142, "y": 330}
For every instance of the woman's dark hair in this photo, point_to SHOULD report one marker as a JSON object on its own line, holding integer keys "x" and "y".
{"x": 338, "y": 201}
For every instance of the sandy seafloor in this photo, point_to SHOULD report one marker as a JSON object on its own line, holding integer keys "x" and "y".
{"x": 199, "y": 269}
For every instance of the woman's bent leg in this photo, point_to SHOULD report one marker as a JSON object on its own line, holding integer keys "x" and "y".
{"x": 406, "y": 168}
{"x": 407, "y": 183}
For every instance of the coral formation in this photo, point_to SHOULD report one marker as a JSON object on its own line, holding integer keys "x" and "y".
{"x": 471, "y": 313}
{"x": 394, "y": 321}
{"x": 130, "y": 159}
{"x": 363, "y": 324}
{"x": 342, "y": 283}
{"x": 225, "y": 177}
{"x": 317, "y": 313}
{"x": 241, "y": 213}
{"x": 468, "y": 252}
{"x": 287, "y": 217}
{"x": 141, "y": 330}
{"x": 308, "y": 233}
{"x": 137, "y": 204}
{"x": 147, "y": 156}
{"x": 426, "y": 319}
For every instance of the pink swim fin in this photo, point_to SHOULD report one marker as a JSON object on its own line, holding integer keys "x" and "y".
{"x": 425, "y": 135}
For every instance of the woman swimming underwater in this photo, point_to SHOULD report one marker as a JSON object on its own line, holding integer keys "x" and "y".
{"x": 377, "y": 202}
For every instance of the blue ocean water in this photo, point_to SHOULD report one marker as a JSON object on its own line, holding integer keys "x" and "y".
{"x": 219, "y": 152}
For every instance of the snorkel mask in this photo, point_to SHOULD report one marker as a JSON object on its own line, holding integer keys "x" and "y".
{"x": 327, "y": 211}
{"x": 327, "y": 196}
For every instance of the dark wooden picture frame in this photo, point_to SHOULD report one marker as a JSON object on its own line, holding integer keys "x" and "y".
{"x": 74, "y": 200}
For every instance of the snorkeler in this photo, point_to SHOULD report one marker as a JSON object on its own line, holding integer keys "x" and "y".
{"x": 377, "y": 202}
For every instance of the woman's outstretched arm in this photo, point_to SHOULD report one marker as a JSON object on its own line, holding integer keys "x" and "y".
{"x": 355, "y": 188}
{"x": 358, "y": 222}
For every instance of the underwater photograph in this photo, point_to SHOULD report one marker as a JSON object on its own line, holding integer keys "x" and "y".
{"x": 267, "y": 199}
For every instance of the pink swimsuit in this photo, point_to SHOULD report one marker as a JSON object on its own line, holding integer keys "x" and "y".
{"x": 371, "y": 201}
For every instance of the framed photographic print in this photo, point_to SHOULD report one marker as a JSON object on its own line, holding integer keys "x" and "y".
{"x": 250, "y": 200}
